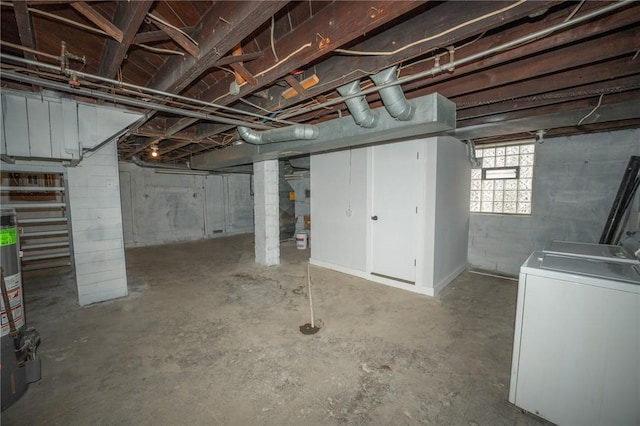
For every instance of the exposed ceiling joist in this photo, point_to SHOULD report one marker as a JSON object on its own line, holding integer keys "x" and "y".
{"x": 158, "y": 35}
{"x": 94, "y": 16}
{"x": 128, "y": 16}
{"x": 215, "y": 38}
{"x": 424, "y": 26}
{"x": 333, "y": 26}
{"x": 25, "y": 27}
{"x": 175, "y": 34}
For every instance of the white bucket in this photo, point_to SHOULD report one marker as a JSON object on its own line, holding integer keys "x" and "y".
{"x": 301, "y": 240}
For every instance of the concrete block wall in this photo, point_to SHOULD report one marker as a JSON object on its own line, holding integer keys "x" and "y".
{"x": 164, "y": 208}
{"x": 267, "y": 212}
{"x": 96, "y": 226}
{"x": 575, "y": 181}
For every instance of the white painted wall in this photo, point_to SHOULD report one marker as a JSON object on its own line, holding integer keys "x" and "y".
{"x": 451, "y": 224}
{"x": 342, "y": 242}
{"x": 164, "y": 208}
{"x": 96, "y": 226}
{"x": 339, "y": 184}
{"x": 575, "y": 181}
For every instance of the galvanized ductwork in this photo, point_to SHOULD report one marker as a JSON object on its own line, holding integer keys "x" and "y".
{"x": 358, "y": 106}
{"x": 393, "y": 96}
{"x": 283, "y": 134}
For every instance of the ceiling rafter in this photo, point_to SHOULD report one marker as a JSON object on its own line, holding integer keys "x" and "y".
{"x": 101, "y": 22}
{"x": 426, "y": 23}
{"x": 229, "y": 24}
{"x": 25, "y": 27}
{"x": 333, "y": 26}
{"x": 222, "y": 29}
{"x": 128, "y": 16}
{"x": 467, "y": 77}
{"x": 604, "y": 88}
{"x": 177, "y": 35}
{"x": 158, "y": 35}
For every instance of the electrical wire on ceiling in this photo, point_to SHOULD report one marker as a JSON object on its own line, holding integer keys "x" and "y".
{"x": 592, "y": 111}
{"x": 471, "y": 58}
{"x": 430, "y": 38}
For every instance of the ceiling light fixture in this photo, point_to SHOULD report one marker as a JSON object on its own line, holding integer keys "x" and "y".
{"x": 154, "y": 151}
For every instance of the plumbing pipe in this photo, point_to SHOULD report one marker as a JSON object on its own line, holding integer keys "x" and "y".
{"x": 78, "y": 74}
{"x": 454, "y": 64}
{"x": 278, "y": 135}
{"x": 393, "y": 96}
{"x": 358, "y": 106}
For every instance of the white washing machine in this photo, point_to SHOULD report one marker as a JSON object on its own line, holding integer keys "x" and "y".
{"x": 592, "y": 251}
{"x": 576, "y": 350}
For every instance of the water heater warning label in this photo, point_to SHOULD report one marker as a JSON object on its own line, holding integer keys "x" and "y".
{"x": 14, "y": 291}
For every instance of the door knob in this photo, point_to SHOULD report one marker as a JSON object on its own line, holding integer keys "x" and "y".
{"x": 374, "y": 217}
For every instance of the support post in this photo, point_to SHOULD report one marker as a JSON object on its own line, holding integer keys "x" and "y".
{"x": 266, "y": 207}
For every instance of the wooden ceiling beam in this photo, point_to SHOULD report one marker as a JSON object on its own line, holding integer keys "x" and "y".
{"x": 157, "y": 35}
{"x": 245, "y": 57}
{"x": 472, "y": 77}
{"x": 473, "y": 85}
{"x": 552, "y": 97}
{"x": 223, "y": 27}
{"x": 330, "y": 28}
{"x": 25, "y": 27}
{"x": 94, "y": 16}
{"x": 562, "y": 107}
{"x": 176, "y": 35}
{"x": 598, "y": 76}
{"x": 427, "y": 24}
{"x": 128, "y": 16}
{"x": 174, "y": 128}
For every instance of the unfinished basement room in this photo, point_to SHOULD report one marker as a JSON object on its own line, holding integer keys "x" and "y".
{"x": 320, "y": 212}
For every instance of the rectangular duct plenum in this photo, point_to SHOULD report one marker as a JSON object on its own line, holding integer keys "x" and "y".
{"x": 434, "y": 114}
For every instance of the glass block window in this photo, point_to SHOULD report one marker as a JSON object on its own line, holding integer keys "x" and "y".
{"x": 504, "y": 184}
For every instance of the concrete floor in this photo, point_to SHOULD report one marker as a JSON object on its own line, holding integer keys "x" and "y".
{"x": 207, "y": 337}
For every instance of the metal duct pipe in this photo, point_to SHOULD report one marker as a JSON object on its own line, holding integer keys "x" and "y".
{"x": 125, "y": 100}
{"x": 393, "y": 96}
{"x": 471, "y": 58}
{"x": 282, "y": 134}
{"x": 358, "y": 106}
{"x": 44, "y": 66}
{"x": 149, "y": 165}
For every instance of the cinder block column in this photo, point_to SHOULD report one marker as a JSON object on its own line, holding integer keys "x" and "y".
{"x": 266, "y": 208}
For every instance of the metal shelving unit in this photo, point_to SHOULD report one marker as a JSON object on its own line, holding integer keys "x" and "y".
{"x": 41, "y": 210}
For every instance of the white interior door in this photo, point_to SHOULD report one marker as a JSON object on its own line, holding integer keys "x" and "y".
{"x": 394, "y": 213}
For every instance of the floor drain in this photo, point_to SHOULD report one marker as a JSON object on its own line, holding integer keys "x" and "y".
{"x": 308, "y": 329}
